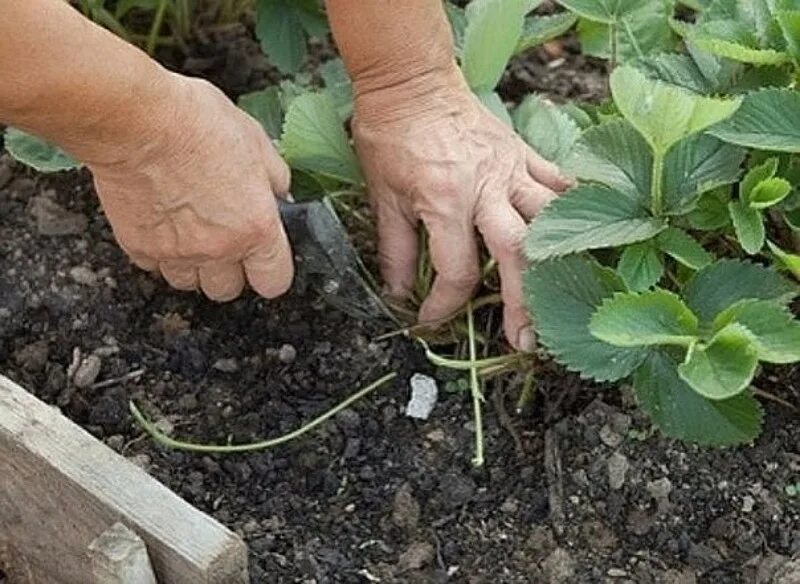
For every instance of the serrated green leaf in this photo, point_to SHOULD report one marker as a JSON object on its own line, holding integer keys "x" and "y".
{"x": 579, "y": 115}
{"x": 695, "y": 165}
{"x": 589, "y": 217}
{"x": 493, "y": 30}
{"x": 733, "y": 39}
{"x": 682, "y": 413}
{"x": 36, "y": 153}
{"x": 640, "y": 266}
{"x": 614, "y": 154}
{"x": 683, "y": 248}
{"x": 769, "y": 192}
{"x": 718, "y": 286}
{"x": 724, "y": 367}
{"x": 605, "y": 11}
{"x": 663, "y": 113}
{"x": 642, "y": 31}
{"x": 314, "y": 139}
{"x": 775, "y": 333}
{"x": 756, "y": 174}
{"x": 561, "y": 296}
{"x": 538, "y": 30}
{"x": 338, "y": 86}
{"x": 312, "y": 17}
{"x": 545, "y": 128}
{"x": 281, "y": 34}
{"x": 265, "y": 106}
{"x": 789, "y": 21}
{"x": 789, "y": 261}
{"x": 767, "y": 120}
{"x": 749, "y": 226}
{"x": 711, "y": 211}
{"x": 493, "y": 101}
{"x": 675, "y": 69}
{"x": 656, "y": 317}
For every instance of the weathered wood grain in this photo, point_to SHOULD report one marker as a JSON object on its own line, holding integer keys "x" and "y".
{"x": 60, "y": 488}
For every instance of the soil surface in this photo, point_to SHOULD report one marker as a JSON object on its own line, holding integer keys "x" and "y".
{"x": 579, "y": 489}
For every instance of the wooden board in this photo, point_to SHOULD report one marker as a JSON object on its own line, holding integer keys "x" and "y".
{"x": 60, "y": 488}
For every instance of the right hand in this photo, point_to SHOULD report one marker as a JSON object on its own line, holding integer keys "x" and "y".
{"x": 195, "y": 200}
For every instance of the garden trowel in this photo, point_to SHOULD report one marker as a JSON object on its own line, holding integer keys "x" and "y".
{"x": 325, "y": 260}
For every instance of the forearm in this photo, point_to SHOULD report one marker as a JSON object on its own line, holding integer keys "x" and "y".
{"x": 73, "y": 83}
{"x": 400, "y": 47}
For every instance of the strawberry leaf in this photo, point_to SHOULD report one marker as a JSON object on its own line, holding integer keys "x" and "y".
{"x": 767, "y": 120}
{"x": 683, "y": 248}
{"x": 640, "y": 266}
{"x": 774, "y": 332}
{"x": 749, "y": 226}
{"x": 36, "y": 153}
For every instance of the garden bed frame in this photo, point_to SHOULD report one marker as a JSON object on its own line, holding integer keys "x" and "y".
{"x": 61, "y": 490}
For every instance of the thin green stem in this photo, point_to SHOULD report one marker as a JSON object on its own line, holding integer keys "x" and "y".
{"x": 165, "y": 440}
{"x": 155, "y": 29}
{"x": 467, "y": 364}
{"x": 527, "y": 392}
{"x": 475, "y": 387}
{"x": 613, "y": 44}
{"x": 656, "y": 195}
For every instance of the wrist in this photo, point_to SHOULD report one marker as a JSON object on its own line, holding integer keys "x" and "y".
{"x": 382, "y": 100}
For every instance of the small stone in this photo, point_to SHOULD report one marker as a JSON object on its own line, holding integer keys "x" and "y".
{"x": 510, "y": 506}
{"x": 417, "y": 556}
{"x": 405, "y": 508}
{"x": 686, "y": 576}
{"x": 616, "y": 573}
{"x": 287, "y": 354}
{"x": 226, "y": 365}
{"x": 424, "y": 394}
{"x": 789, "y": 573}
{"x": 87, "y": 372}
{"x": 140, "y": 460}
{"x": 747, "y": 504}
{"x": 768, "y": 567}
{"x": 617, "y": 468}
{"x": 660, "y": 489}
{"x": 52, "y": 219}
{"x": 609, "y": 437}
{"x": 436, "y": 436}
{"x": 83, "y": 276}
{"x": 115, "y": 442}
{"x": 33, "y": 357}
{"x": 559, "y": 567}
{"x": 187, "y": 402}
{"x": 639, "y": 522}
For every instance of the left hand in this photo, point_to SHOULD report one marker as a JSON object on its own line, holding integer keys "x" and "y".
{"x": 440, "y": 157}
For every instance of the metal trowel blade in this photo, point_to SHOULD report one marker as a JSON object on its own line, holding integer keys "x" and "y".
{"x": 325, "y": 260}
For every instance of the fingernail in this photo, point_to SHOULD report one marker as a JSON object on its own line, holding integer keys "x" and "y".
{"x": 526, "y": 339}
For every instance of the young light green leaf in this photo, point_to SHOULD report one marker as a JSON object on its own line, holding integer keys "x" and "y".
{"x": 769, "y": 192}
{"x": 756, "y": 174}
{"x": 724, "y": 367}
{"x": 492, "y": 33}
{"x": 695, "y": 165}
{"x": 458, "y": 23}
{"x": 561, "y": 296}
{"x": 790, "y": 261}
{"x": 676, "y": 69}
{"x": 613, "y": 154}
{"x": 493, "y": 101}
{"x": 545, "y": 128}
{"x": 711, "y": 211}
{"x": 538, "y": 30}
{"x": 36, "y": 153}
{"x": 738, "y": 51}
{"x": 723, "y": 283}
{"x": 682, "y": 413}
{"x": 683, "y": 248}
{"x": 605, "y": 11}
{"x": 640, "y": 266}
{"x": 789, "y": 21}
{"x": 265, "y": 106}
{"x": 749, "y": 226}
{"x": 589, "y": 217}
{"x": 767, "y": 120}
{"x": 314, "y": 139}
{"x": 632, "y": 319}
{"x": 662, "y": 113}
{"x": 774, "y": 332}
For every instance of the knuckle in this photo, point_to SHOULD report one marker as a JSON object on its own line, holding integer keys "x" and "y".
{"x": 464, "y": 277}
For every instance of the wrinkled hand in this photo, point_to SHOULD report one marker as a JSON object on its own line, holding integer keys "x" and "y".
{"x": 196, "y": 201}
{"x": 450, "y": 163}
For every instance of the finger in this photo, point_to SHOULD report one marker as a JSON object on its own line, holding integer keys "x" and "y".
{"x": 530, "y": 198}
{"x": 546, "y": 173}
{"x": 280, "y": 175}
{"x": 144, "y": 262}
{"x": 397, "y": 244}
{"x": 221, "y": 281}
{"x": 454, "y": 254}
{"x": 179, "y": 275}
{"x": 269, "y": 267}
{"x": 503, "y": 230}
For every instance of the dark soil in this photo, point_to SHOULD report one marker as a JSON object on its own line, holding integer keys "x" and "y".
{"x": 578, "y": 490}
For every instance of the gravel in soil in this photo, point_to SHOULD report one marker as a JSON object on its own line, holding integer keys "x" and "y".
{"x": 594, "y": 495}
